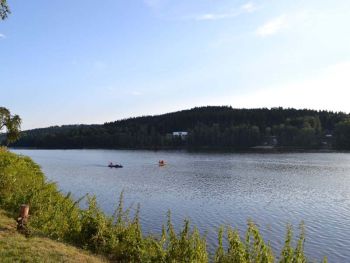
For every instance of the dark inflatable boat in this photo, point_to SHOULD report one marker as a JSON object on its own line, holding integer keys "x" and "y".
{"x": 115, "y": 166}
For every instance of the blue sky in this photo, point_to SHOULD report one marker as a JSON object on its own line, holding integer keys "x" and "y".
{"x": 64, "y": 62}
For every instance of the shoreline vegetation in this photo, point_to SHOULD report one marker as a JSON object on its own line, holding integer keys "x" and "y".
{"x": 204, "y": 129}
{"x": 276, "y": 150}
{"x": 15, "y": 247}
{"x": 119, "y": 238}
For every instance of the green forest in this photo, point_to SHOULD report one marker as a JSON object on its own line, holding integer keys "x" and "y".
{"x": 216, "y": 128}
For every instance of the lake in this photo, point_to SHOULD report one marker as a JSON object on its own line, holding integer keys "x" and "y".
{"x": 218, "y": 189}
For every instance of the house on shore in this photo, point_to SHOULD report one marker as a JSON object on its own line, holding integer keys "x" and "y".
{"x": 180, "y": 134}
{"x": 270, "y": 141}
{"x": 327, "y": 141}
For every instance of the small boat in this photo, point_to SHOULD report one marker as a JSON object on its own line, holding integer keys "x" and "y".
{"x": 111, "y": 165}
{"x": 161, "y": 163}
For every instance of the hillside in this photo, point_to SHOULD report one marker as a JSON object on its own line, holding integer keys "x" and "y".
{"x": 205, "y": 127}
{"x": 15, "y": 247}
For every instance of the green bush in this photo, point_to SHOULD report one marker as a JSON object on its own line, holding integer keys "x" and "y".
{"x": 119, "y": 237}
{"x": 22, "y": 182}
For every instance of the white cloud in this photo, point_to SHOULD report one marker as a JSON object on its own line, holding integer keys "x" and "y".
{"x": 246, "y": 8}
{"x": 327, "y": 89}
{"x": 296, "y": 20}
{"x": 214, "y": 16}
{"x": 273, "y": 26}
{"x": 155, "y": 4}
{"x": 2, "y": 36}
{"x": 164, "y": 5}
{"x": 249, "y": 7}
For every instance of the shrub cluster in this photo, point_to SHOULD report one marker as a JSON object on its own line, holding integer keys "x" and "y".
{"x": 119, "y": 237}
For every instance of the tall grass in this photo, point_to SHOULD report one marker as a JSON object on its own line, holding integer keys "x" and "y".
{"x": 120, "y": 237}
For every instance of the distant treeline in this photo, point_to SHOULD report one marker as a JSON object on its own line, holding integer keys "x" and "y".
{"x": 206, "y": 128}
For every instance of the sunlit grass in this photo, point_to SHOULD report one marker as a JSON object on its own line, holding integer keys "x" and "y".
{"x": 15, "y": 247}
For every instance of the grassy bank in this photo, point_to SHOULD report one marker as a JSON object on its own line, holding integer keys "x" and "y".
{"x": 15, "y": 247}
{"x": 119, "y": 237}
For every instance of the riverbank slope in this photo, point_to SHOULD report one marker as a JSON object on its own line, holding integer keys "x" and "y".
{"x": 15, "y": 247}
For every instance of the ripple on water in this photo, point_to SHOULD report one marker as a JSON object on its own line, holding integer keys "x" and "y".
{"x": 219, "y": 189}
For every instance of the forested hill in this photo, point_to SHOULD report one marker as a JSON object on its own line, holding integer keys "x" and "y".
{"x": 206, "y": 127}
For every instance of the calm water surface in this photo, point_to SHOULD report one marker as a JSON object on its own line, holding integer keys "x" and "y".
{"x": 219, "y": 189}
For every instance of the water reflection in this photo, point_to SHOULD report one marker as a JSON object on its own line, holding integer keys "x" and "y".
{"x": 216, "y": 189}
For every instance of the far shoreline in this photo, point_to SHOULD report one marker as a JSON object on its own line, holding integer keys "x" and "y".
{"x": 253, "y": 150}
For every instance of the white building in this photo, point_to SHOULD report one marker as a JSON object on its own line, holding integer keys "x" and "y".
{"x": 181, "y": 134}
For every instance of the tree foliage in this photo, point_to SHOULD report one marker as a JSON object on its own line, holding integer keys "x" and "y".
{"x": 207, "y": 127}
{"x": 4, "y": 9}
{"x": 11, "y": 123}
{"x": 342, "y": 135}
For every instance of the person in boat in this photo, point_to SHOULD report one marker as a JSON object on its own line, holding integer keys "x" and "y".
{"x": 111, "y": 165}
